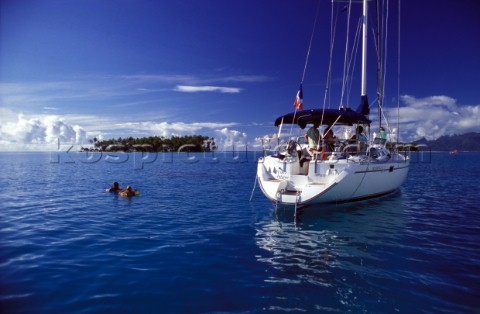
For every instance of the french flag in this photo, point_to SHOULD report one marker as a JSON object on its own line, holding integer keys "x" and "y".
{"x": 298, "y": 103}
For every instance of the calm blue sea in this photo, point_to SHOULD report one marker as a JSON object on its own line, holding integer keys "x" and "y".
{"x": 193, "y": 243}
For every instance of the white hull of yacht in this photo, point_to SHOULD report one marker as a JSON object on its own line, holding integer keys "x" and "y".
{"x": 356, "y": 169}
{"x": 285, "y": 182}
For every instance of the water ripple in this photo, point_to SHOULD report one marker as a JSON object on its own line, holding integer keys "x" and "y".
{"x": 188, "y": 244}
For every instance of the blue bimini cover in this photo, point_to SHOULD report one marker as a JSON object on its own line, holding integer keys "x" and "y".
{"x": 326, "y": 117}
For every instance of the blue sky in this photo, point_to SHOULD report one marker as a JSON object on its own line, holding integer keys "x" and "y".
{"x": 75, "y": 70}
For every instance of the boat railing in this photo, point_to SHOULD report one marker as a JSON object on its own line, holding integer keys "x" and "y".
{"x": 355, "y": 148}
{"x": 295, "y": 149}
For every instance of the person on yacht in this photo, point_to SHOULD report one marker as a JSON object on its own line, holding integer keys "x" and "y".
{"x": 360, "y": 138}
{"x": 313, "y": 136}
{"x": 329, "y": 138}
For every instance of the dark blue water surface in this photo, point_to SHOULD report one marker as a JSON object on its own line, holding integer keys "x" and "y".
{"x": 193, "y": 243}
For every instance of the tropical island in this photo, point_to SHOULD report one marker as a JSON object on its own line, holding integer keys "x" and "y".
{"x": 463, "y": 142}
{"x": 199, "y": 143}
{"x": 189, "y": 143}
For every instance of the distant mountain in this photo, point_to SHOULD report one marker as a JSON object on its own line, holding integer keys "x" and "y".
{"x": 465, "y": 142}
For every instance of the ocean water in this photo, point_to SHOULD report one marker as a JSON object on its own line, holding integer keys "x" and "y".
{"x": 193, "y": 243}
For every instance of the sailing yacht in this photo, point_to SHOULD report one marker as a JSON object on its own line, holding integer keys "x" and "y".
{"x": 342, "y": 170}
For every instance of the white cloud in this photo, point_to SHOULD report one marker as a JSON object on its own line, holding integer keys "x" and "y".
{"x": 195, "y": 89}
{"x": 19, "y": 133}
{"x": 78, "y": 109}
{"x": 191, "y": 79}
{"x": 435, "y": 116}
{"x": 92, "y": 93}
{"x": 432, "y": 101}
{"x": 247, "y": 78}
{"x": 162, "y": 78}
{"x": 107, "y": 89}
{"x": 168, "y": 129}
{"x": 226, "y": 139}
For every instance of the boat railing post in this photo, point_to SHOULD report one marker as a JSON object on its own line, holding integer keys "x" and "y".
{"x": 296, "y": 203}
{"x": 277, "y": 196}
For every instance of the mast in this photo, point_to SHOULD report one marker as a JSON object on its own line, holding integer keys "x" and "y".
{"x": 364, "y": 49}
{"x": 364, "y": 107}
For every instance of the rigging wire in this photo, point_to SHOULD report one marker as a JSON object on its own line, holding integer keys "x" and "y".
{"x": 333, "y": 29}
{"x": 345, "y": 74}
{"x": 378, "y": 44}
{"x": 385, "y": 48}
{"x": 381, "y": 49}
{"x": 383, "y": 66}
{"x": 310, "y": 44}
{"x": 381, "y": 45}
{"x": 383, "y": 61}
{"x": 349, "y": 60}
{"x": 306, "y": 59}
{"x": 398, "y": 73}
{"x": 356, "y": 44}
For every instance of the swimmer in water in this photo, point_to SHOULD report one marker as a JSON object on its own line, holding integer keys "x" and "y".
{"x": 114, "y": 188}
{"x": 128, "y": 191}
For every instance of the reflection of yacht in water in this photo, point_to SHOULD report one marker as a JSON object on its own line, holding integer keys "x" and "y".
{"x": 329, "y": 250}
{"x": 298, "y": 254}
{"x": 335, "y": 170}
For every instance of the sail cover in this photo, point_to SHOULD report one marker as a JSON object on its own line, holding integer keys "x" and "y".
{"x": 326, "y": 117}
